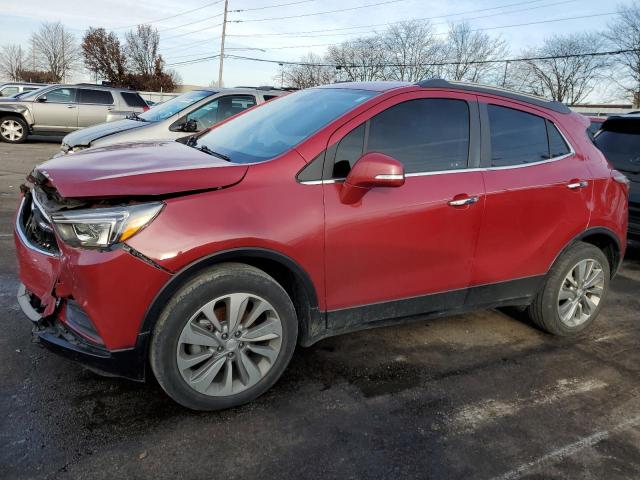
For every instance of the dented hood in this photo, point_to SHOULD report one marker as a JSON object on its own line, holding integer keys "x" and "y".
{"x": 137, "y": 169}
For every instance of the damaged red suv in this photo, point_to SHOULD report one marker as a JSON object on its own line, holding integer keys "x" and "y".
{"x": 329, "y": 210}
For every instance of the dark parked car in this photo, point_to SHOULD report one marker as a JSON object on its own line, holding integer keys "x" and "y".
{"x": 596, "y": 123}
{"x": 619, "y": 140}
{"x": 329, "y": 210}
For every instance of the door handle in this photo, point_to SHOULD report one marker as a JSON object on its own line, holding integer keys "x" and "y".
{"x": 463, "y": 201}
{"x": 71, "y": 106}
{"x": 577, "y": 185}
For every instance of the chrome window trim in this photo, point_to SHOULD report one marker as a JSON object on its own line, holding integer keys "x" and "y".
{"x": 468, "y": 170}
{"x": 23, "y": 237}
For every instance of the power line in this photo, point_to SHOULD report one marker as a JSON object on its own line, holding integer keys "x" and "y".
{"x": 272, "y": 6}
{"x": 528, "y": 2}
{"x": 436, "y": 64}
{"x": 171, "y": 16}
{"x": 193, "y": 31}
{"x": 386, "y": 2}
{"x": 190, "y": 23}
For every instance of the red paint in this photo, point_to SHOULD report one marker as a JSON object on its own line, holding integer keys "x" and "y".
{"x": 390, "y": 243}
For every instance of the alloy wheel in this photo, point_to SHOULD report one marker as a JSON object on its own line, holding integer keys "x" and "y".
{"x": 581, "y": 292}
{"x": 11, "y": 130}
{"x": 229, "y": 344}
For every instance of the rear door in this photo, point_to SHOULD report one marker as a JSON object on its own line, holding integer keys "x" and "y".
{"x": 56, "y": 110}
{"x": 538, "y": 193}
{"x": 93, "y": 106}
{"x": 404, "y": 244}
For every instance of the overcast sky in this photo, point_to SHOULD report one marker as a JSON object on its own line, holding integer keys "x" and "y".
{"x": 179, "y": 43}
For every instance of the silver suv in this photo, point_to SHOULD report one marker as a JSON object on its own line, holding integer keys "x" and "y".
{"x": 184, "y": 115}
{"x": 64, "y": 108}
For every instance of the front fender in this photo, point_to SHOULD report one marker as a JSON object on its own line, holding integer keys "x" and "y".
{"x": 20, "y": 110}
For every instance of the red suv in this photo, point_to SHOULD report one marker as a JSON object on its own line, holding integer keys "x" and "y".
{"x": 329, "y": 210}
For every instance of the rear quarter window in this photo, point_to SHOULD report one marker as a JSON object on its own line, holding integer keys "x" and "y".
{"x": 133, "y": 99}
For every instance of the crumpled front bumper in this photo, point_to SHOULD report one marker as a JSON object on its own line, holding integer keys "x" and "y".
{"x": 88, "y": 305}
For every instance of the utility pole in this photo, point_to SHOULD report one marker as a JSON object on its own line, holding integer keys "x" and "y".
{"x": 224, "y": 32}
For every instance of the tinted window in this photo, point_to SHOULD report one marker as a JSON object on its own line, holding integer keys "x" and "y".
{"x": 61, "y": 95}
{"x": 133, "y": 100}
{"x": 425, "y": 135}
{"x": 220, "y": 109}
{"x": 516, "y": 137}
{"x": 100, "y": 97}
{"x": 620, "y": 143}
{"x": 557, "y": 145}
{"x": 349, "y": 150}
{"x": 275, "y": 127}
{"x": 269, "y": 97}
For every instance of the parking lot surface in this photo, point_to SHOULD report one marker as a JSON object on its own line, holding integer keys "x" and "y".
{"x": 483, "y": 396}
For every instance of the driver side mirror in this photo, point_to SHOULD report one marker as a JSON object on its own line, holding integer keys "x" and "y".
{"x": 42, "y": 99}
{"x": 371, "y": 170}
{"x": 190, "y": 125}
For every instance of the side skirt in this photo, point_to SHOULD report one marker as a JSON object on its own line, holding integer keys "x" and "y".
{"x": 511, "y": 293}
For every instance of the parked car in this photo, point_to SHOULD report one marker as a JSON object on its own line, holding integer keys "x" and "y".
{"x": 179, "y": 117}
{"x": 595, "y": 124}
{"x": 63, "y": 108}
{"x": 333, "y": 209}
{"x": 619, "y": 140}
{"x": 10, "y": 89}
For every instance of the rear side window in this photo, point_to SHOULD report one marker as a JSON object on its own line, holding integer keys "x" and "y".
{"x": 519, "y": 137}
{"x": 426, "y": 135}
{"x": 619, "y": 140}
{"x": 133, "y": 99}
{"x": 99, "y": 97}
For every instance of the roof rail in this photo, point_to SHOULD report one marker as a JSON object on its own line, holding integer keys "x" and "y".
{"x": 502, "y": 92}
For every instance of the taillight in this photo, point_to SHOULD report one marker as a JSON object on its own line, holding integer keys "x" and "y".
{"x": 619, "y": 177}
{"x": 145, "y": 108}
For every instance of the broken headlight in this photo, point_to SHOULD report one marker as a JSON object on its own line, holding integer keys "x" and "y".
{"x": 101, "y": 227}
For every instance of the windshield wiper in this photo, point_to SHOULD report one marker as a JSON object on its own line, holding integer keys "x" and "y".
{"x": 207, "y": 150}
{"x": 135, "y": 116}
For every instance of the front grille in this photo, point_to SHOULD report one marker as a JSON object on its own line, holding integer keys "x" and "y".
{"x": 36, "y": 227}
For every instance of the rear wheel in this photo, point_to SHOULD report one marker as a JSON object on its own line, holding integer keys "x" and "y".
{"x": 224, "y": 338}
{"x": 574, "y": 291}
{"x": 13, "y": 129}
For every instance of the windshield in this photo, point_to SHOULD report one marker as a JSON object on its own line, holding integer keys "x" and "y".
{"x": 175, "y": 105}
{"x": 622, "y": 148}
{"x": 279, "y": 125}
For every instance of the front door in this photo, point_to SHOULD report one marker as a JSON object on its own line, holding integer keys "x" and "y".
{"x": 405, "y": 250}
{"x": 56, "y": 110}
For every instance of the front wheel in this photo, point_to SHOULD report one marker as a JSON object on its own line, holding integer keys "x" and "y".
{"x": 13, "y": 129}
{"x": 574, "y": 291}
{"x": 224, "y": 338}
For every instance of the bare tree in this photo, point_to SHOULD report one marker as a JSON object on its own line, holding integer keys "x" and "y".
{"x": 103, "y": 55}
{"x": 361, "y": 60}
{"x": 624, "y": 33}
{"x": 410, "y": 51}
{"x": 469, "y": 52}
{"x": 310, "y": 73}
{"x": 55, "y": 50}
{"x": 564, "y": 77}
{"x": 12, "y": 59}
{"x": 142, "y": 49}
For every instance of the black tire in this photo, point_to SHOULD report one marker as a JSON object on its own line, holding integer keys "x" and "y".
{"x": 543, "y": 311}
{"x": 212, "y": 283}
{"x": 18, "y": 120}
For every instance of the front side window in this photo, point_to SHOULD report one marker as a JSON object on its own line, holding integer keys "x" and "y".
{"x": 100, "y": 97}
{"x": 425, "y": 135}
{"x": 61, "y": 95}
{"x": 6, "y": 91}
{"x": 519, "y": 137}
